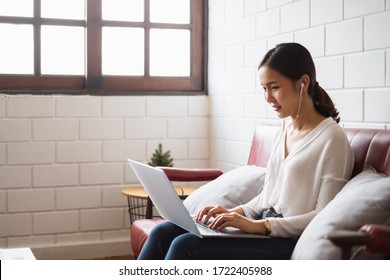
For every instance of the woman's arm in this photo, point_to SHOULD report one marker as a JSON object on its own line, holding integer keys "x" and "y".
{"x": 234, "y": 217}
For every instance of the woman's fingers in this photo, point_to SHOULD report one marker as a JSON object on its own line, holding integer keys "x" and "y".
{"x": 204, "y": 211}
{"x": 233, "y": 220}
{"x": 210, "y": 211}
{"x": 223, "y": 220}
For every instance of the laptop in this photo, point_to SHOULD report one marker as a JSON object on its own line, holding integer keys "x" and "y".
{"x": 169, "y": 205}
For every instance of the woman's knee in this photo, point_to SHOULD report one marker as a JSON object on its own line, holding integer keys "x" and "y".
{"x": 163, "y": 230}
{"x": 159, "y": 241}
{"x": 182, "y": 247}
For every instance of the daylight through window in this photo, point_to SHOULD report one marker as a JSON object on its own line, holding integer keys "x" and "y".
{"x": 102, "y": 45}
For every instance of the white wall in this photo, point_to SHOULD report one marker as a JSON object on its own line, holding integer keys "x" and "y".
{"x": 350, "y": 43}
{"x": 62, "y": 165}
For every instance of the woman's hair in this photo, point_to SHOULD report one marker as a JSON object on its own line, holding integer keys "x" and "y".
{"x": 293, "y": 60}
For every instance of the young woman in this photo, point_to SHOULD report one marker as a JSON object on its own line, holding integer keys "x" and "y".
{"x": 310, "y": 163}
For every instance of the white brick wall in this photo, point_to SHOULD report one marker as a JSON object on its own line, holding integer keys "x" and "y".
{"x": 323, "y": 12}
{"x": 94, "y": 129}
{"x": 348, "y": 39}
{"x": 30, "y": 153}
{"x": 295, "y": 16}
{"x": 15, "y": 225}
{"x": 76, "y": 198}
{"x": 344, "y": 37}
{"x": 31, "y": 200}
{"x": 49, "y": 130}
{"x": 55, "y": 175}
{"x": 3, "y": 155}
{"x": 377, "y": 109}
{"x": 268, "y": 23}
{"x": 78, "y": 152}
{"x": 2, "y": 106}
{"x": 29, "y": 106}
{"x": 117, "y": 106}
{"x": 387, "y": 68}
{"x": 365, "y": 69}
{"x": 330, "y": 71}
{"x": 355, "y": 8}
{"x": 63, "y": 161}
{"x": 313, "y": 39}
{"x": 101, "y": 173}
{"x": 55, "y": 222}
{"x": 342, "y": 100}
{"x": 374, "y": 37}
{"x": 15, "y": 177}
{"x": 82, "y": 106}
{"x": 15, "y": 130}
{"x": 3, "y": 201}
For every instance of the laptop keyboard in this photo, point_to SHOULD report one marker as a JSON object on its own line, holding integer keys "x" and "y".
{"x": 204, "y": 226}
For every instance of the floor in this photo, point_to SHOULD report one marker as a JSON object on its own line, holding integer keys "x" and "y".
{"x": 128, "y": 257}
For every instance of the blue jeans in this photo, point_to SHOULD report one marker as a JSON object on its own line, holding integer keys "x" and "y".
{"x": 170, "y": 242}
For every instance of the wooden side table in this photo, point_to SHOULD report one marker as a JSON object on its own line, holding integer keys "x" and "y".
{"x": 140, "y": 205}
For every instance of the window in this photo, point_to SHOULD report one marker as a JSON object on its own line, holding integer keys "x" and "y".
{"x": 102, "y": 46}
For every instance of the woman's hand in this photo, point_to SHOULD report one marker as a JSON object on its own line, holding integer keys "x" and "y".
{"x": 236, "y": 220}
{"x": 210, "y": 211}
{"x": 230, "y": 218}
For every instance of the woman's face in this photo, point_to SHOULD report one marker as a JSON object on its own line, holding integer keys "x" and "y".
{"x": 280, "y": 92}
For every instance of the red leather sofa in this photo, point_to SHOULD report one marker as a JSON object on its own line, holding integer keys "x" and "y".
{"x": 371, "y": 146}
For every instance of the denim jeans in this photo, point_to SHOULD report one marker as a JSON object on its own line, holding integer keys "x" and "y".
{"x": 170, "y": 242}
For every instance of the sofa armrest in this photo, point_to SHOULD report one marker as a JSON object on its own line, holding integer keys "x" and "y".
{"x": 374, "y": 238}
{"x": 379, "y": 238}
{"x": 347, "y": 239}
{"x": 191, "y": 175}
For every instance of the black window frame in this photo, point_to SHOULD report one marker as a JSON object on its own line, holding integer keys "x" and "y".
{"x": 93, "y": 82}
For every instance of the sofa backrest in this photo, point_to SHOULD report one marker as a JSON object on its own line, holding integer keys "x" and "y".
{"x": 370, "y": 146}
{"x": 261, "y": 144}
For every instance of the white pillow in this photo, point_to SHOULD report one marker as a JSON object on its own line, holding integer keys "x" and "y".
{"x": 365, "y": 199}
{"x": 232, "y": 188}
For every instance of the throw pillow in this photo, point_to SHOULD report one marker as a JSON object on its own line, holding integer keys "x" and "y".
{"x": 365, "y": 199}
{"x": 232, "y": 188}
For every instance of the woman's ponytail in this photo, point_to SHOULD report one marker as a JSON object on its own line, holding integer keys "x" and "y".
{"x": 323, "y": 103}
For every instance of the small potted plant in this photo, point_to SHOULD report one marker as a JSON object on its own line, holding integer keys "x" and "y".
{"x": 161, "y": 158}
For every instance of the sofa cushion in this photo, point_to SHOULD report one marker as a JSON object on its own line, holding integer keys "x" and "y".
{"x": 140, "y": 231}
{"x": 365, "y": 199}
{"x": 232, "y": 188}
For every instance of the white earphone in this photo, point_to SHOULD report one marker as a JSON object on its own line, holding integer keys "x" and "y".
{"x": 300, "y": 100}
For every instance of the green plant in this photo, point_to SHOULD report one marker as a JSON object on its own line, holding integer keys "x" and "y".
{"x": 161, "y": 158}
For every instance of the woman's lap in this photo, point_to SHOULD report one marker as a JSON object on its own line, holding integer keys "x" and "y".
{"x": 167, "y": 241}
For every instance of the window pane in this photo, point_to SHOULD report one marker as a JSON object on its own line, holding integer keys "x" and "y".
{"x": 123, "y": 10}
{"x": 16, "y": 49}
{"x": 169, "y": 52}
{"x": 123, "y": 51}
{"x": 170, "y": 11}
{"x": 66, "y": 9}
{"x": 62, "y": 50}
{"x": 19, "y": 8}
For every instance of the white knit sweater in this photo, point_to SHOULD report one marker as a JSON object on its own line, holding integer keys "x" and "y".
{"x": 303, "y": 183}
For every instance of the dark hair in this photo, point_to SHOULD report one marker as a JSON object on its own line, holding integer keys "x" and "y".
{"x": 293, "y": 60}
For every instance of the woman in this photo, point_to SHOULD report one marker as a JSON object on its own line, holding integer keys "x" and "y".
{"x": 310, "y": 163}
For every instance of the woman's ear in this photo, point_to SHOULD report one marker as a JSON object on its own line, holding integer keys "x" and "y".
{"x": 303, "y": 83}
